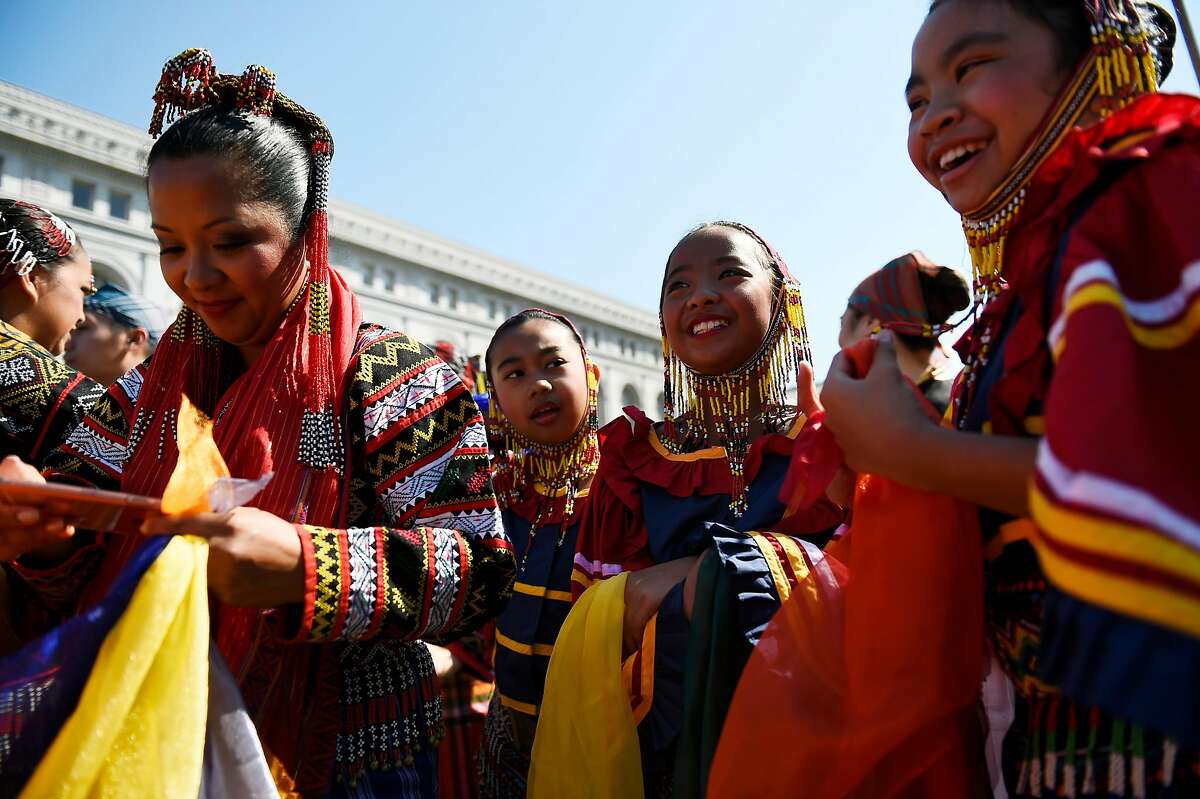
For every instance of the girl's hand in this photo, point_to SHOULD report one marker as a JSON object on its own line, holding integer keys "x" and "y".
{"x": 645, "y": 591}
{"x": 877, "y": 419}
{"x": 25, "y": 529}
{"x": 254, "y": 557}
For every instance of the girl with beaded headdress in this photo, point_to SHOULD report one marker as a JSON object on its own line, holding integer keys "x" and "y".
{"x": 45, "y": 273}
{"x": 543, "y": 390}
{"x": 1072, "y": 420}
{"x": 377, "y": 527}
{"x": 690, "y": 507}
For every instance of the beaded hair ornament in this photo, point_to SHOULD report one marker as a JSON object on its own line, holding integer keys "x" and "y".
{"x": 696, "y": 404}
{"x": 552, "y": 471}
{"x": 189, "y": 83}
{"x": 46, "y": 238}
{"x": 1118, "y": 68}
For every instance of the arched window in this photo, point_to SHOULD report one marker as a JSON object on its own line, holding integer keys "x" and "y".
{"x": 629, "y": 396}
{"x": 662, "y": 404}
{"x": 106, "y": 275}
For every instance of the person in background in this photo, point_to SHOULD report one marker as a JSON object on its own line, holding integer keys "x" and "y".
{"x": 119, "y": 330}
{"x": 543, "y": 390}
{"x": 463, "y": 668}
{"x": 913, "y": 298}
{"x": 45, "y": 274}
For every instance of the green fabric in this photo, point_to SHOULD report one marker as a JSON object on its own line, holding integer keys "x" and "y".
{"x": 717, "y": 654}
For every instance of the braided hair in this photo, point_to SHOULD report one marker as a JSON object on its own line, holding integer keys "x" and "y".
{"x": 31, "y": 236}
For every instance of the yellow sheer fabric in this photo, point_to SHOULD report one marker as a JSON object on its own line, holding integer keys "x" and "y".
{"x": 586, "y": 743}
{"x": 139, "y": 727}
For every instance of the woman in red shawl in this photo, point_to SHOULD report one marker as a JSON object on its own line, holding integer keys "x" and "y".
{"x": 377, "y": 527}
{"x": 1074, "y": 417}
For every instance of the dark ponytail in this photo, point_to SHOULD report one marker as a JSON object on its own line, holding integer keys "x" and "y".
{"x": 272, "y": 163}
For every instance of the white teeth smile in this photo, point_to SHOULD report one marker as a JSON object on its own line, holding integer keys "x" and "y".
{"x": 704, "y": 327}
{"x": 952, "y": 155}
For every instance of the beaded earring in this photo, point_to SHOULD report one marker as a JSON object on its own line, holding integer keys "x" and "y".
{"x": 697, "y": 405}
{"x": 552, "y": 471}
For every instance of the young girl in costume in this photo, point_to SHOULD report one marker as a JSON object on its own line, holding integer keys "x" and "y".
{"x": 542, "y": 407}
{"x": 1074, "y": 419}
{"x": 378, "y": 528}
{"x": 706, "y": 479}
{"x": 914, "y": 299}
{"x": 45, "y": 273}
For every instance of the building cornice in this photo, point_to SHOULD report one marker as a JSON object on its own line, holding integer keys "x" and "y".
{"x": 93, "y": 137}
{"x": 62, "y": 126}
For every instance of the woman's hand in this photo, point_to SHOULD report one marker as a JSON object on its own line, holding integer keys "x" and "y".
{"x": 254, "y": 557}
{"x": 645, "y": 591}
{"x": 28, "y": 530}
{"x": 877, "y": 419}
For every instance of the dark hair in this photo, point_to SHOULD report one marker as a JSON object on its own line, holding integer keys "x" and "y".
{"x": 945, "y": 293}
{"x": 274, "y": 166}
{"x": 515, "y": 321}
{"x": 765, "y": 255}
{"x": 32, "y": 232}
{"x": 1068, "y": 21}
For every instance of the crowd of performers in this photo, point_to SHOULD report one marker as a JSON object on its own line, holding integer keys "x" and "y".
{"x": 770, "y": 588}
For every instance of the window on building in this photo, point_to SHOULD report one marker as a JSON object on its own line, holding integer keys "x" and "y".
{"x": 118, "y": 204}
{"x": 389, "y": 280}
{"x": 435, "y": 294}
{"x": 452, "y": 298}
{"x": 491, "y": 309}
{"x": 83, "y": 194}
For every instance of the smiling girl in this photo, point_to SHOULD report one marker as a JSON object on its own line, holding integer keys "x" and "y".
{"x": 706, "y": 480}
{"x": 1073, "y": 418}
{"x": 543, "y": 391}
{"x": 377, "y": 528}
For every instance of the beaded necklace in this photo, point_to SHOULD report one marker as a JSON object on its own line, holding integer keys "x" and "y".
{"x": 550, "y": 471}
{"x": 698, "y": 405}
{"x": 1118, "y": 68}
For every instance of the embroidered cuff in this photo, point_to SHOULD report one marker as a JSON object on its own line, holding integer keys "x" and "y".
{"x": 344, "y": 589}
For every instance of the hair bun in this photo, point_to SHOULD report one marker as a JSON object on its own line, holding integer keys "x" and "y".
{"x": 945, "y": 293}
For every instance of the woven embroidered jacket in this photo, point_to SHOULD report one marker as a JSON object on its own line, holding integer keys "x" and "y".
{"x": 343, "y": 680}
{"x": 1093, "y": 607}
{"x": 649, "y": 505}
{"x": 525, "y": 633}
{"x": 41, "y": 399}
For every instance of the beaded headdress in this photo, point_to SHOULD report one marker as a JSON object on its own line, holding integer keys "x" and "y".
{"x": 555, "y": 471}
{"x": 45, "y": 238}
{"x": 1117, "y": 69}
{"x": 893, "y": 296}
{"x": 189, "y": 83}
{"x": 696, "y": 404}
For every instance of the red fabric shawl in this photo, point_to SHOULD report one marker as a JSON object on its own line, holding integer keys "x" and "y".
{"x": 258, "y": 418}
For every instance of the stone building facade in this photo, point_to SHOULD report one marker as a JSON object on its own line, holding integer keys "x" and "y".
{"x": 89, "y": 169}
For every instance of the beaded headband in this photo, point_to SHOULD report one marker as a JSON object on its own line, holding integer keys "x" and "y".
{"x": 558, "y": 470}
{"x": 18, "y": 254}
{"x": 696, "y": 404}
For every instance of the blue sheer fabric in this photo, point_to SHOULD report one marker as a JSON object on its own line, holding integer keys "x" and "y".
{"x": 41, "y": 683}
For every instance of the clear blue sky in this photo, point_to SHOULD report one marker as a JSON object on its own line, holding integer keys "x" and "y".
{"x": 580, "y": 138}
